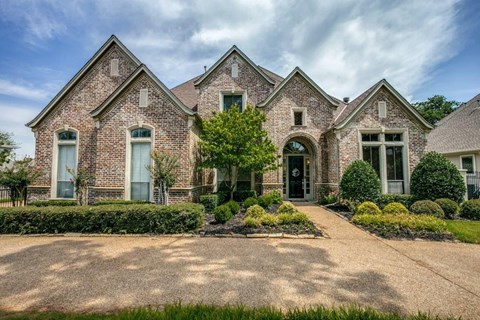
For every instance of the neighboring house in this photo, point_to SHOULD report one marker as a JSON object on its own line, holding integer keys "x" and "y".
{"x": 115, "y": 111}
{"x": 457, "y": 136}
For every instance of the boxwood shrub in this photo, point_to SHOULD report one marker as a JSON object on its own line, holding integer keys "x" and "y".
{"x": 234, "y": 206}
{"x": 250, "y": 202}
{"x": 401, "y": 224}
{"x": 124, "y": 202}
{"x": 405, "y": 199}
{"x": 56, "y": 203}
{"x": 368, "y": 207}
{"x": 395, "y": 208}
{"x": 360, "y": 182}
{"x": 139, "y": 218}
{"x": 222, "y": 213}
{"x": 427, "y": 207}
{"x": 449, "y": 207}
{"x": 470, "y": 209}
{"x": 210, "y": 201}
{"x": 265, "y": 201}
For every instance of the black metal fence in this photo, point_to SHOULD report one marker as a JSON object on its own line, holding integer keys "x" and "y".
{"x": 12, "y": 197}
{"x": 473, "y": 185}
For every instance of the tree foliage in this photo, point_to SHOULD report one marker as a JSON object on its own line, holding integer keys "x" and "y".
{"x": 435, "y": 108}
{"x": 19, "y": 176}
{"x": 6, "y": 139}
{"x": 163, "y": 173}
{"x": 233, "y": 141}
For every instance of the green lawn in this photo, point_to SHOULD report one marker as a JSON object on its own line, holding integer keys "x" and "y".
{"x": 466, "y": 231}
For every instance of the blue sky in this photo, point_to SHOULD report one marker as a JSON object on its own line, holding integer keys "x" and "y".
{"x": 422, "y": 48}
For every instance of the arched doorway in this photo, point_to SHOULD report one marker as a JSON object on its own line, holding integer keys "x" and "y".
{"x": 297, "y": 171}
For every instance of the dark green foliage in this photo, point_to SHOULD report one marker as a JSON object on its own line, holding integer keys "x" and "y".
{"x": 140, "y": 218}
{"x": 124, "y": 202}
{"x": 368, "y": 207}
{"x": 360, "y": 182}
{"x": 250, "y": 202}
{"x": 210, "y": 201}
{"x": 449, "y": 207}
{"x": 435, "y": 108}
{"x": 405, "y": 199}
{"x": 327, "y": 196}
{"x": 265, "y": 201}
{"x": 395, "y": 208}
{"x": 427, "y": 207}
{"x": 276, "y": 197}
{"x": 241, "y": 195}
{"x": 222, "y": 213}
{"x": 234, "y": 206}
{"x": 57, "y": 203}
{"x": 470, "y": 209}
{"x": 435, "y": 177}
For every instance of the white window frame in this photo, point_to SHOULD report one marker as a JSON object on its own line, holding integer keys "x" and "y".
{"x": 383, "y": 153}
{"x": 303, "y": 110}
{"x": 56, "y": 143}
{"x": 473, "y": 161}
{"x": 128, "y": 155}
{"x": 233, "y": 93}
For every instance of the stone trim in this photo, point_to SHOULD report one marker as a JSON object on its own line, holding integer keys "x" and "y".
{"x": 180, "y": 235}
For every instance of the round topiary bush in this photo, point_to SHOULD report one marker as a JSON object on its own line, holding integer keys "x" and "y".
{"x": 427, "y": 207}
{"x": 234, "y": 206}
{"x": 249, "y": 202}
{"x": 436, "y": 177}
{"x": 470, "y": 209}
{"x": 449, "y": 207}
{"x": 360, "y": 182}
{"x": 368, "y": 207}
{"x": 265, "y": 201}
{"x": 222, "y": 213}
{"x": 255, "y": 211}
{"x": 395, "y": 208}
{"x": 287, "y": 208}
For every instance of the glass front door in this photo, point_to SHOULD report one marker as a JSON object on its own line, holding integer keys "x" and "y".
{"x": 296, "y": 176}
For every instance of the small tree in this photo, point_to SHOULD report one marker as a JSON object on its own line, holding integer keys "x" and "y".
{"x": 234, "y": 142}
{"x": 18, "y": 177}
{"x": 6, "y": 146}
{"x": 163, "y": 174}
{"x": 360, "y": 182}
{"x": 81, "y": 179}
{"x": 436, "y": 177}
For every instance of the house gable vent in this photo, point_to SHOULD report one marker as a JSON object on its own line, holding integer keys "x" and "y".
{"x": 234, "y": 70}
{"x": 382, "y": 109}
{"x": 143, "y": 98}
{"x": 114, "y": 67}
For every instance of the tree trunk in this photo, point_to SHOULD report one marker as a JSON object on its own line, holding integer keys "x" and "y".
{"x": 165, "y": 192}
{"x": 233, "y": 180}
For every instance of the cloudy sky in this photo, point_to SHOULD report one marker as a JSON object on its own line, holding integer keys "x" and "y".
{"x": 422, "y": 47}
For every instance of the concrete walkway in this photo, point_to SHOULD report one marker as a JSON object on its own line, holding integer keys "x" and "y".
{"x": 107, "y": 273}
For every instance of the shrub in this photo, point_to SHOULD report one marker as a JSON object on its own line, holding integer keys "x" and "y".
{"x": 286, "y": 207}
{"x": 326, "y": 195}
{"x": 210, "y": 201}
{"x": 386, "y": 223}
{"x": 222, "y": 213}
{"x": 471, "y": 209}
{"x": 268, "y": 220}
{"x": 57, "y": 203}
{"x": 249, "y": 202}
{"x": 265, "y": 201}
{"x": 427, "y": 207}
{"x": 241, "y": 195}
{"x": 234, "y": 206}
{"x": 368, "y": 207}
{"x": 140, "y": 218}
{"x": 436, "y": 177}
{"x": 360, "y": 182}
{"x": 299, "y": 218}
{"x": 255, "y": 211}
{"x": 449, "y": 207}
{"x": 284, "y": 218}
{"x": 395, "y": 208}
{"x": 252, "y": 222}
{"x": 120, "y": 202}
{"x": 275, "y": 196}
{"x": 405, "y": 199}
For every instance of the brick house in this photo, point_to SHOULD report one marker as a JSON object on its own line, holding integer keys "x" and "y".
{"x": 114, "y": 111}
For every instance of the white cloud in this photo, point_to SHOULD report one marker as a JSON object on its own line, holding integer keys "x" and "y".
{"x": 20, "y": 90}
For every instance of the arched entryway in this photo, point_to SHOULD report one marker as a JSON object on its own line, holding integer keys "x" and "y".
{"x": 297, "y": 170}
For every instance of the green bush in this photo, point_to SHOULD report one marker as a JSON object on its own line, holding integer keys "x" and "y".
{"x": 395, "y": 208}
{"x": 265, "y": 201}
{"x": 56, "y": 203}
{"x": 299, "y": 218}
{"x": 449, "y": 207}
{"x": 210, "y": 201}
{"x": 241, "y": 195}
{"x": 284, "y": 218}
{"x": 368, "y": 207}
{"x": 286, "y": 207}
{"x": 427, "y": 207}
{"x": 120, "y": 202}
{"x": 327, "y": 196}
{"x": 360, "y": 182}
{"x": 269, "y": 220}
{"x": 255, "y": 211}
{"x": 140, "y": 218}
{"x": 252, "y": 222}
{"x": 275, "y": 196}
{"x": 405, "y": 199}
{"x": 392, "y": 223}
{"x": 436, "y": 177}
{"x": 222, "y": 213}
{"x": 234, "y": 206}
{"x": 249, "y": 202}
{"x": 470, "y": 209}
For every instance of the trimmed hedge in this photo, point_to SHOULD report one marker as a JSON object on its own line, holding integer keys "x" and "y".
{"x": 368, "y": 207}
{"x": 405, "y": 199}
{"x": 222, "y": 213}
{"x": 395, "y": 208}
{"x": 120, "y": 202}
{"x": 471, "y": 209}
{"x": 360, "y": 182}
{"x": 427, "y": 207}
{"x": 386, "y": 223}
{"x": 55, "y": 203}
{"x": 140, "y": 218}
{"x": 210, "y": 201}
{"x": 449, "y": 207}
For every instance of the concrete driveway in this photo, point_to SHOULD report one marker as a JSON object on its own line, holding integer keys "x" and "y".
{"x": 107, "y": 273}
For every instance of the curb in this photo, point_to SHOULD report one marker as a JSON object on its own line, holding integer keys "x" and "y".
{"x": 180, "y": 235}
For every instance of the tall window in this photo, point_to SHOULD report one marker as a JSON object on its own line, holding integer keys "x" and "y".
{"x": 140, "y": 160}
{"x": 385, "y": 152}
{"x": 229, "y": 100}
{"x": 67, "y": 159}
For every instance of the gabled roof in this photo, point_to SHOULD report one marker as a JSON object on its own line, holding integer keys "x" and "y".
{"x": 354, "y": 107}
{"x": 459, "y": 131}
{"x": 224, "y": 57}
{"x": 300, "y": 72}
{"x": 141, "y": 69}
{"x": 112, "y": 40}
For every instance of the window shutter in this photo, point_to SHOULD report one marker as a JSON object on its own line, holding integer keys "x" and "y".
{"x": 114, "y": 67}
{"x": 234, "y": 70}
{"x": 143, "y": 98}
{"x": 382, "y": 109}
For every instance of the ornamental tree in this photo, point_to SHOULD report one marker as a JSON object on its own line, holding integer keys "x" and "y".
{"x": 233, "y": 141}
{"x": 163, "y": 174}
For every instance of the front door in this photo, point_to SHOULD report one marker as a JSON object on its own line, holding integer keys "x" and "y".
{"x": 295, "y": 177}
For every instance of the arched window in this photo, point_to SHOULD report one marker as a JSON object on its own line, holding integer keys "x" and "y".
{"x": 141, "y": 143}
{"x": 295, "y": 147}
{"x": 66, "y": 160}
